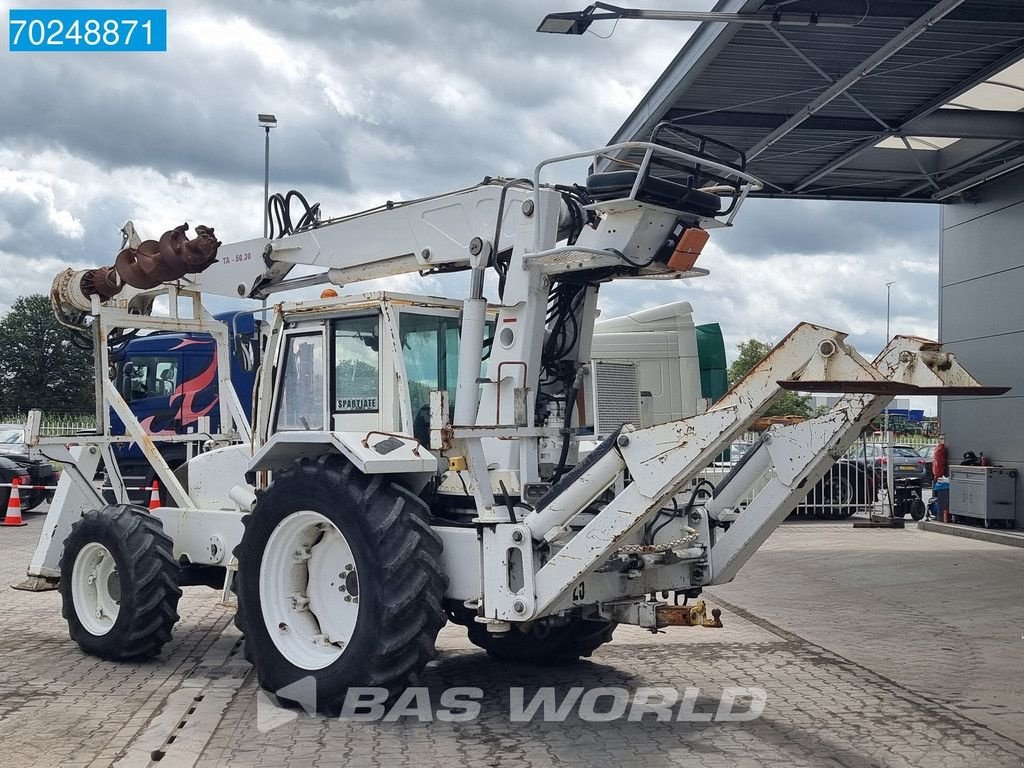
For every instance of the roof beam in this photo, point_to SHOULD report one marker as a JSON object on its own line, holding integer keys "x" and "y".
{"x": 935, "y": 104}
{"x": 858, "y": 73}
{"x": 908, "y": 10}
{"x": 968, "y": 124}
{"x": 965, "y": 164}
{"x": 977, "y": 180}
{"x": 944, "y": 123}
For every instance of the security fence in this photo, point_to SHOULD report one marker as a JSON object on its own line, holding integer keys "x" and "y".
{"x": 858, "y": 483}
{"x": 54, "y": 424}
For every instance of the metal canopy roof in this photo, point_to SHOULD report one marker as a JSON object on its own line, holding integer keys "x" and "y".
{"x": 809, "y": 105}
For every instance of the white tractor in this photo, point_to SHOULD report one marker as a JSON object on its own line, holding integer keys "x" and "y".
{"x": 413, "y": 460}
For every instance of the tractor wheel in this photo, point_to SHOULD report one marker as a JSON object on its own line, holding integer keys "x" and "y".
{"x": 544, "y": 643}
{"x": 119, "y": 583}
{"x": 339, "y": 580}
{"x": 917, "y": 509}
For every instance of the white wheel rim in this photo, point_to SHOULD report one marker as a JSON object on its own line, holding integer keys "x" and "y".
{"x": 309, "y": 590}
{"x": 96, "y": 589}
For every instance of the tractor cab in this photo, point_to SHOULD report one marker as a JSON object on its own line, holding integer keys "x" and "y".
{"x": 365, "y": 363}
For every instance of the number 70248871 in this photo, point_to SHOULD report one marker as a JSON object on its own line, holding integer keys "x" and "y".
{"x": 39, "y": 30}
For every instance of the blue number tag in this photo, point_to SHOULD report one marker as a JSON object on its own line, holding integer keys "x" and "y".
{"x": 78, "y": 30}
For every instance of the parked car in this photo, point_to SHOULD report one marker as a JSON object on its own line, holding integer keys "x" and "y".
{"x": 909, "y": 474}
{"x": 907, "y": 463}
{"x": 8, "y": 471}
{"x": 31, "y": 472}
{"x": 927, "y": 452}
{"x": 847, "y": 487}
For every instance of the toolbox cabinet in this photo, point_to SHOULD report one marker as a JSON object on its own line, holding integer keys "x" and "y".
{"x": 983, "y": 493}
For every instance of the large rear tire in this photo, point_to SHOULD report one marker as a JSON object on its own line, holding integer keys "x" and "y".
{"x": 339, "y": 580}
{"x": 119, "y": 583}
{"x": 543, "y": 643}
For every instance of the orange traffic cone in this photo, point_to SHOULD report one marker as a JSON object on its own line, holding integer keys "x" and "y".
{"x": 13, "y": 516}
{"x": 154, "y": 496}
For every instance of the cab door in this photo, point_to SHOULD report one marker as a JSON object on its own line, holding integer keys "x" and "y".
{"x": 356, "y": 399}
{"x": 197, "y": 395}
{"x": 301, "y": 399}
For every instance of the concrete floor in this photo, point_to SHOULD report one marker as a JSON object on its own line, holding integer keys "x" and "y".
{"x": 873, "y": 648}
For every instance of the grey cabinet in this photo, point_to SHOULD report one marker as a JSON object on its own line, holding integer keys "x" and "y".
{"x": 984, "y": 493}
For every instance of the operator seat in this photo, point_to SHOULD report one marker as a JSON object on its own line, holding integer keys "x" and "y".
{"x": 167, "y": 381}
{"x": 613, "y": 185}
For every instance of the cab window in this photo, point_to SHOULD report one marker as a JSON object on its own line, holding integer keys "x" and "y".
{"x": 430, "y": 346}
{"x": 301, "y": 400}
{"x": 152, "y": 377}
{"x": 356, "y": 365}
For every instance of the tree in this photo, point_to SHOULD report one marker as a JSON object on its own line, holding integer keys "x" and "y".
{"x": 752, "y": 352}
{"x": 40, "y": 365}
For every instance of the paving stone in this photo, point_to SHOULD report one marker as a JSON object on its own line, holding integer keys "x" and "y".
{"x": 865, "y": 663}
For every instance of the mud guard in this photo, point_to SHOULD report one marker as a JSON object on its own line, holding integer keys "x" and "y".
{"x": 372, "y": 453}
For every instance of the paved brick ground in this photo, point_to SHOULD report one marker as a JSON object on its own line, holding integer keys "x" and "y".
{"x": 850, "y": 678}
{"x": 61, "y": 707}
{"x": 939, "y": 614}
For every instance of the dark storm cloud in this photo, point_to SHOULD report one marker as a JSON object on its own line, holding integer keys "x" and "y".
{"x": 186, "y": 117}
{"x": 24, "y": 225}
{"x": 399, "y": 68}
{"x": 36, "y": 241}
{"x": 399, "y": 99}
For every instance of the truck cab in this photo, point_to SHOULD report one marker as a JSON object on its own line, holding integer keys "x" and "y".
{"x": 169, "y": 381}
{"x": 338, "y": 364}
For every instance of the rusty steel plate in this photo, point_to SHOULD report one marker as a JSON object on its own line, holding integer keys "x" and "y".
{"x": 888, "y": 388}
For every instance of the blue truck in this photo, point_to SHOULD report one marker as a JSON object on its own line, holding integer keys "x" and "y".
{"x": 169, "y": 380}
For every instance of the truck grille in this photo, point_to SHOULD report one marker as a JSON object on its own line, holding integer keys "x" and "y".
{"x": 616, "y": 395}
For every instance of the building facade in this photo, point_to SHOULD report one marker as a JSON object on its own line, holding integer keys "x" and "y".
{"x": 981, "y": 319}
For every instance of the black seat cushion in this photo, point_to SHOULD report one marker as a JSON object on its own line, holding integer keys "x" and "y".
{"x": 615, "y": 184}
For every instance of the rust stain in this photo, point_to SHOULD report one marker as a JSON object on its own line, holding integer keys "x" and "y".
{"x": 170, "y": 258}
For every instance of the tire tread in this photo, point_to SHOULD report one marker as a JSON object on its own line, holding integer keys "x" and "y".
{"x": 408, "y": 555}
{"x": 152, "y": 580}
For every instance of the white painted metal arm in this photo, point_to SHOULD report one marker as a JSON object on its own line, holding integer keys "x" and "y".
{"x": 146, "y": 444}
{"x": 391, "y": 240}
{"x": 803, "y": 453}
{"x": 664, "y": 459}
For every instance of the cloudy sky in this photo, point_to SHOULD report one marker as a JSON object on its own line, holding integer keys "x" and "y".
{"x": 390, "y": 100}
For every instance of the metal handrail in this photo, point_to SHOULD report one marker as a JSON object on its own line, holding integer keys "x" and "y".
{"x": 752, "y": 183}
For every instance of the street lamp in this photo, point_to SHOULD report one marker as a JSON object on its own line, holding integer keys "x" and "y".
{"x": 266, "y": 123}
{"x": 888, "y": 436}
{"x": 578, "y": 22}
{"x": 888, "y": 306}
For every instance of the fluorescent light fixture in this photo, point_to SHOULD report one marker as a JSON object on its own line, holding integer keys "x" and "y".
{"x": 574, "y": 23}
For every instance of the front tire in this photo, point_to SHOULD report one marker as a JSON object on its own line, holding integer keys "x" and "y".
{"x": 340, "y": 580}
{"x": 119, "y": 583}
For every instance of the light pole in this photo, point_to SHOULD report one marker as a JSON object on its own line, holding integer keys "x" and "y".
{"x": 578, "y": 22}
{"x": 888, "y": 434}
{"x": 888, "y": 306}
{"x": 266, "y": 123}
